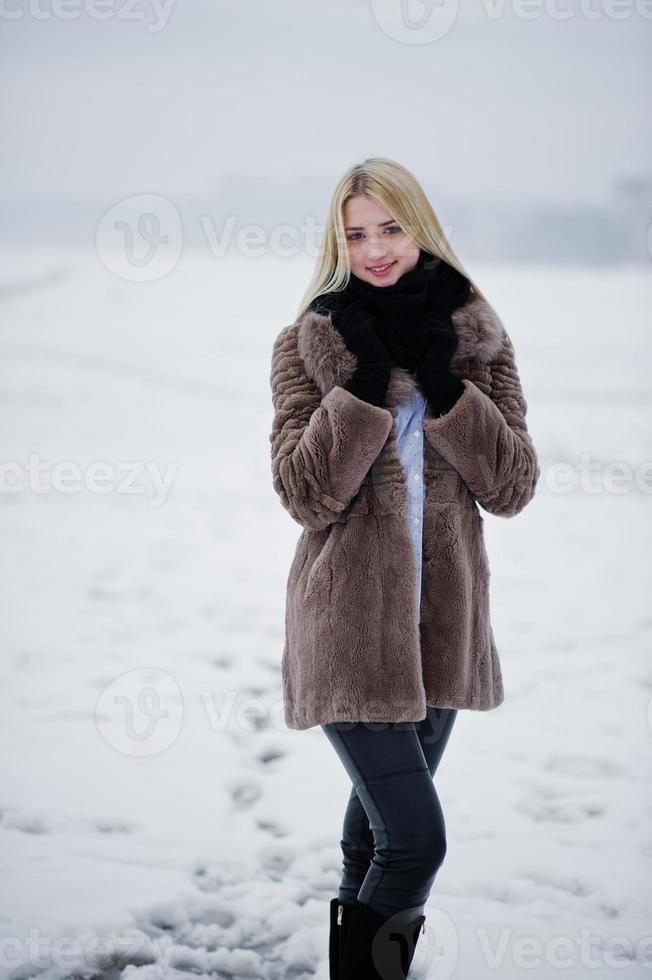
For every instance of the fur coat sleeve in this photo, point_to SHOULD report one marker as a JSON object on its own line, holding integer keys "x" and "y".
{"x": 322, "y": 447}
{"x": 485, "y": 437}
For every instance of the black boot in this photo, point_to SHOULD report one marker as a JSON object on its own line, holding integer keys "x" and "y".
{"x": 340, "y": 917}
{"x": 377, "y": 947}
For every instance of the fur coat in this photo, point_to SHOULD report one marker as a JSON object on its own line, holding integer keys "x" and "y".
{"x": 355, "y": 647}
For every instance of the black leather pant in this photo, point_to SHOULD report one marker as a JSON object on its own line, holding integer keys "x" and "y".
{"x": 394, "y": 835}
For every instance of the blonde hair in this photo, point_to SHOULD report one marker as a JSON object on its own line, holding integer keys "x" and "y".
{"x": 401, "y": 194}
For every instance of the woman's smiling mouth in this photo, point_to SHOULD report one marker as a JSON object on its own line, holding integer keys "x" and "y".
{"x": 381, "y": 270}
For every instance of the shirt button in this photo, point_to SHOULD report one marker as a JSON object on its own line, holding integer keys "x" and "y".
{"x": 416, "y": 476}
{"x": 416, "y": 520}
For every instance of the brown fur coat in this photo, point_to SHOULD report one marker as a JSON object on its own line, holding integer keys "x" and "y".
{"x": 355, "y": 648}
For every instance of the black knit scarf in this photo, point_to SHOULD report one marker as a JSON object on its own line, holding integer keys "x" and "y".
{"x": 432, "y": 285}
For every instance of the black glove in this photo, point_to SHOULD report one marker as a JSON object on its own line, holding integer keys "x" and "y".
{"x": 370, "y": 379}
{"x": 441, "y": 387}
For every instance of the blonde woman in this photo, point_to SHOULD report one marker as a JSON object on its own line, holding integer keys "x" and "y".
{"x": 398, "y": 409}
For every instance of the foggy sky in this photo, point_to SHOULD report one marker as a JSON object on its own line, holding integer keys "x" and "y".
{"x": 506, "y": 107}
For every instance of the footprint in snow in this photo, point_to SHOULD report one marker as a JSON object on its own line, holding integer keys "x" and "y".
{"x": 245, "y": 794}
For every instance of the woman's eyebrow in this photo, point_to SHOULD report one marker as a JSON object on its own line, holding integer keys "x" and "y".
{"x": 361, "y": 227}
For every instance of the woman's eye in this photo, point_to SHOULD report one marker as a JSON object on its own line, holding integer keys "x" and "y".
{"x": 354, "y": 235}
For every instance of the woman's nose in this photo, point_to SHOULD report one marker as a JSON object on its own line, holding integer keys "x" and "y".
{"x": 376, "y": 254}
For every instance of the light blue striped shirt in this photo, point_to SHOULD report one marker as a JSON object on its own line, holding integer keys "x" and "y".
{"x": 409, "y": 428}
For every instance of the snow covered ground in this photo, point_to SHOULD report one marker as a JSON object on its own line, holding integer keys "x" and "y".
{"x": 157, "y": 818}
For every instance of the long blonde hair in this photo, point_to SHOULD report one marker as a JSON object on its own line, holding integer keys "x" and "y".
{"x": 401, "y": 194}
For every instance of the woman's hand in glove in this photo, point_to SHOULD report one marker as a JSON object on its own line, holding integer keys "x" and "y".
{"x": 357, "y": 327}
{"x": 441, "y": 387}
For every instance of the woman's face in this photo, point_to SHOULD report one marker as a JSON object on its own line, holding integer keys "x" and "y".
{"x": 379, "y": 250}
